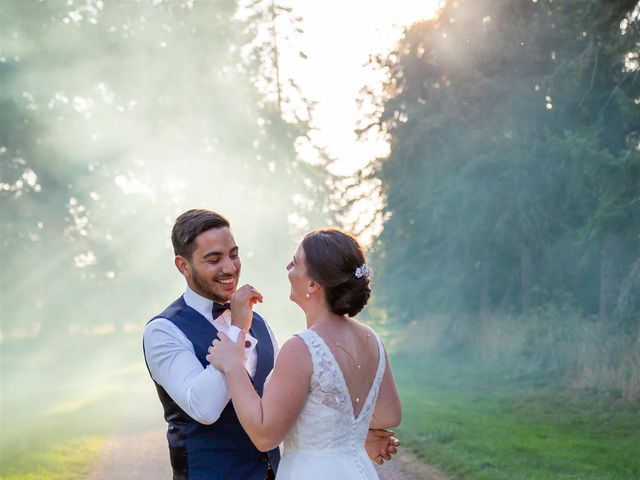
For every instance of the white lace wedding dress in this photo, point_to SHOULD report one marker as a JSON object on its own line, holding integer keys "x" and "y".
{"x": 327, "y": 440}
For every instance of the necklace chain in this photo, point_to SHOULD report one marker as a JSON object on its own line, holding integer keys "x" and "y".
{"x": 352, "y": 358}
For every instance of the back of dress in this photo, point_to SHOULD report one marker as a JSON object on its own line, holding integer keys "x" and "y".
{"x": 327, "y": 438}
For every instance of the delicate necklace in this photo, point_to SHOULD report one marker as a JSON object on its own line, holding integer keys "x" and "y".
{"x": 352, "y": 359}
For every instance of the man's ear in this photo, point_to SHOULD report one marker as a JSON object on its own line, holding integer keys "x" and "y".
{"x": 183, "y": 266}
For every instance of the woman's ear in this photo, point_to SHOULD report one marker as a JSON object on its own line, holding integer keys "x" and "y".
{"x": 313, "y": 286}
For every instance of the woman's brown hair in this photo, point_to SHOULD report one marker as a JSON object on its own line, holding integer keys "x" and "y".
{"x": 332, "y": 258}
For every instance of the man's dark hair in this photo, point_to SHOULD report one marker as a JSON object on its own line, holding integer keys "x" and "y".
{"x": 191, "y": 224}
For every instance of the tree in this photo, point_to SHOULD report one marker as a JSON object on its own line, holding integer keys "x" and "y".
{"x": 514, "y": 168}
{"x": 125, "y": 115}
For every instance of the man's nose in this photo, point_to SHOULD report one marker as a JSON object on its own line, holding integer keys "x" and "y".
{"x": 229, "y": 266}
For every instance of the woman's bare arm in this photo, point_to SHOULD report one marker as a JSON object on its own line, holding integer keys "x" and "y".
{"x": 388, "y": 410}
{"x": 266, "y": 420}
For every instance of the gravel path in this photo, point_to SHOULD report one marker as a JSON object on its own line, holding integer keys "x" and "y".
{"x": 130, "y": 455}
{"x": 133, "y": 456}
{"x": 405, "y": 466}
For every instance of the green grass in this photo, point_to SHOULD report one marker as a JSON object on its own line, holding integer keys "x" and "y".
{"x": 475, "y": 424}
{"x": 493, "y": 425}
{"x": 68, "y": 459}
{"x": 58, "y": 406}
{"x": 38, "y": 442}
{"x": 52, "y": 446}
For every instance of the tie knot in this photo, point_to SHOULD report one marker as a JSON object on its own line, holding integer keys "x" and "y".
{"x": 219, "y": 308}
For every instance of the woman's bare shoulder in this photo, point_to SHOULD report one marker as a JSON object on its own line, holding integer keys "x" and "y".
{"x": 293, "y": 352}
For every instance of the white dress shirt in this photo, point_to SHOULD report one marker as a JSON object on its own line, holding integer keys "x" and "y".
{"x": 201, "y": 392}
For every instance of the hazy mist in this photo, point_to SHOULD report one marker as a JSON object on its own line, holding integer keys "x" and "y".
{"x": 116, "y": 117}
{"x": 507, "y": 207}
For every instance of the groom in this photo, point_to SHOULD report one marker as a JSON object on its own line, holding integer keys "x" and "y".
{"x": 206, "y": 440}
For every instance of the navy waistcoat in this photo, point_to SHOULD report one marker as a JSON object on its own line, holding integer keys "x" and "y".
{"x": 221, "y": 451}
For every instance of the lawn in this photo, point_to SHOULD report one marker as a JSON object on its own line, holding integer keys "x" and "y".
{"x": 57, "y": 411}
{"x": 472, "y": 423}
{"x": 481, "y": 425}
{"x": 50, "y": 459}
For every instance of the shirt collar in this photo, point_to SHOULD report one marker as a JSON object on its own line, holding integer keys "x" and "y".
{"x": 204, "y": 306}
{"x": 199, "y": 303}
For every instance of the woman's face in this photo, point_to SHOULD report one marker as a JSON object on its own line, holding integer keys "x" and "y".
{"x": 298, "y": 277}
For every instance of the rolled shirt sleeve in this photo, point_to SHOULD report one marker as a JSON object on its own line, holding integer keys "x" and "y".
{"x": 201, "y": 392}
{"x": 233, "y": 333}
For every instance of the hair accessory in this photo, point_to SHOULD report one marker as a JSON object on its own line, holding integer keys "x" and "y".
{"x": 363, "y": 270}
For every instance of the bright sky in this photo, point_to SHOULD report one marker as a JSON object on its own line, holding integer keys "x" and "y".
{"x": 338, "y": 38}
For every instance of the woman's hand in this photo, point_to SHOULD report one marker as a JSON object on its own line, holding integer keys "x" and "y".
{"x": 224, "y": 354}
{"x": 242, "y": 302}
{"x": 380, "y": 445}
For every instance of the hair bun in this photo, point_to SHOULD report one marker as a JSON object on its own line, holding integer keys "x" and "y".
{"x": 334, "y": 258}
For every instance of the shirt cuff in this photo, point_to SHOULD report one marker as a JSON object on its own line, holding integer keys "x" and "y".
{"x": 234, "y": 332}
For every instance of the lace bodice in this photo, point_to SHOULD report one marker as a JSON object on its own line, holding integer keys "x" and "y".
{"x": 327, "y": 420}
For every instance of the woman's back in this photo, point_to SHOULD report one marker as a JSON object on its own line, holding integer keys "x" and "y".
{"x": 328, "y": 436}
{"x": 355, "y": 348}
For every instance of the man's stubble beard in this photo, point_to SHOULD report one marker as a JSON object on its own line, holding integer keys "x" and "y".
{"x": 205, "y": 289}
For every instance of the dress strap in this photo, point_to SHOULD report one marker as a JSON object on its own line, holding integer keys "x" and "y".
{"x": 310, "y": 339}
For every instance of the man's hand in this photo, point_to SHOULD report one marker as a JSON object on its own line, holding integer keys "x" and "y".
{"x": 242, "y": 302}
{"x": 381, "y": 445}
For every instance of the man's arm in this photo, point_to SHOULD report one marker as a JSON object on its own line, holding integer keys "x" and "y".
{"x": 201, "y": 392}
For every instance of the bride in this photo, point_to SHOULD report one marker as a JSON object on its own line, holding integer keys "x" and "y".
{"x": 332, "y": 382}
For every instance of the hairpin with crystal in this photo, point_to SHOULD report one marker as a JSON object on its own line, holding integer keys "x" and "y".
{"x": 363, "y": 271}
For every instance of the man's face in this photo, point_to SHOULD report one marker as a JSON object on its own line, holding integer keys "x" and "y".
{"x": 215, "y": 265}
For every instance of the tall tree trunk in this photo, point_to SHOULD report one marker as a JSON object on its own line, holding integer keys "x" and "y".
{"x": 485, "y": 288}
{"x": 629, "y": 290}
{"x": 276, "y": 54}
{"x": 609, "y": 275}
{"x": 526, "y": 273}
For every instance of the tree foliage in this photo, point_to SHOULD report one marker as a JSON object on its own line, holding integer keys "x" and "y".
{"x": 514, "y": 174}
{"x": 115, "y": 117}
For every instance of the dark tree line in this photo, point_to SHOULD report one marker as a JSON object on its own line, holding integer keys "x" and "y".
{"x": 514, "y": 175}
